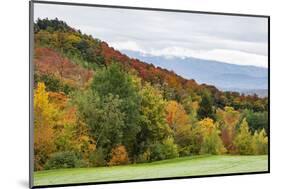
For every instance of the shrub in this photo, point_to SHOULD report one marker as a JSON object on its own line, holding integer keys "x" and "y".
{"x": 81, "y": 163}
{"x": 157, "y": 152}
{"x": 184, "y": 151}
{"x": 97, "y": 158}
{"x": 212, "y": 144}
{"x": 62, "y": 160}
{"x": 171, "y": 149}
{"x": 260, "y": 143}
{"x": 166, "y": 150}
{"x": 144, "y": 157}
{"x": 119, "y": 156}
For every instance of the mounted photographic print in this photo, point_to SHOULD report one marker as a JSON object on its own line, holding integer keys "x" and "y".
{"x": 121, "y": 94}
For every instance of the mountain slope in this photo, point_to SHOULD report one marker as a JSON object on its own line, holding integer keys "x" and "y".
{"x": 48, "y": 62}
{"x": 222, "y": 75}
{"x": 65, "y": 47}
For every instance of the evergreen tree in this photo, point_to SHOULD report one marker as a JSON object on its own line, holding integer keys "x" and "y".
{"x": 206, "y": 106}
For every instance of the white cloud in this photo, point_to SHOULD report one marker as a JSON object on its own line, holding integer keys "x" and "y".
{"x": 231, "y": 39}
{"x": 223, "y": 55}
{"x": 235, "y": 57}
{"x": 127, "y": 45}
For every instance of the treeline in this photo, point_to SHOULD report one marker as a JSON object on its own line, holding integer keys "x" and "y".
{"x": 91, "y": 53}
{"x": 94, "y": 106}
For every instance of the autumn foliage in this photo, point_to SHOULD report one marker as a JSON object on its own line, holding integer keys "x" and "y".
{"x": 49, "y": 62}
{"x": 119, "y": 156}
{"x": 94, "y": 106}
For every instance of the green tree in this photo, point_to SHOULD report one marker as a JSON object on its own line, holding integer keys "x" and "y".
{"x": 206, "y": 106}
{"x": 257, "y": 120}
{"x": 103, "y": 117}
{"x": 243, "y": 141}
{"x": 191, "y": 107}
{"x": 153, "y": 119}
{"x": 52, "y": 83}
{"x": 114, "y": 80}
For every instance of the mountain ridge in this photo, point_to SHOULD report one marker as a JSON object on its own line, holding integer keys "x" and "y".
{"x": 94, "y": 54}
{"x": 220, "y": 74}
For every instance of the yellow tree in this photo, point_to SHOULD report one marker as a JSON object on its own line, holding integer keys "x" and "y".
{"x": 70, "y": 132}
{"x": 211, "y": 142}
{"x": 44, "y": 118}
{"x": 228, "y": 120}
{"x": 260, "y": 143}
{"x": 78, "y": 134}
{"x": 207, "y": 125}
{"x": 57, "y": 127}
{"x": 180, "y": 123}
{"x": 176, "y": 116}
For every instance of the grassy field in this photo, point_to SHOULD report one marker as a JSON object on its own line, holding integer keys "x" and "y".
{"x": 187, "y": 166}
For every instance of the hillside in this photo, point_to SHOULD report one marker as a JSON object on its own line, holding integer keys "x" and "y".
{"x": 91, "y": 53}
{"x": 49, "y": 62}
{"x": 95, "y": 106}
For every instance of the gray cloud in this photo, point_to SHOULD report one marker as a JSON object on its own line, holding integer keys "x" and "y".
{"x": 170, "y": 34}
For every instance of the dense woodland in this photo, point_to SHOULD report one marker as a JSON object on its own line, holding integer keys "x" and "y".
{"x": 94, "y": 106}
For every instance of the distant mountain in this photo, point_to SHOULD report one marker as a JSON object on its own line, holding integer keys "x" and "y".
{"x": 259, "y": 92}
{"x": 65, "y": 67}
{"x": 224, "y": 76}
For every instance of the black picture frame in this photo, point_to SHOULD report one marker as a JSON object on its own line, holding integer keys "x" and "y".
{"x": 31, "y": 45}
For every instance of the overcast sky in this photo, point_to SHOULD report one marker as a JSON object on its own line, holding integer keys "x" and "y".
{"x": 231, "y": 39}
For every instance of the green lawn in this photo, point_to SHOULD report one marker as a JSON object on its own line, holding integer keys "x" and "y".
{"x": 187, "y": 166}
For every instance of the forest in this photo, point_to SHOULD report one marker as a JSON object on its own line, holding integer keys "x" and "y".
{"x": 94, "y": 106}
